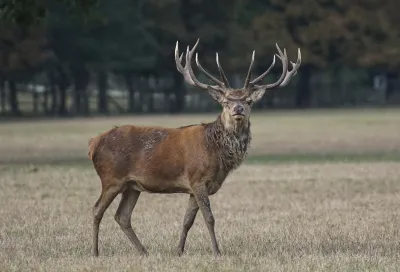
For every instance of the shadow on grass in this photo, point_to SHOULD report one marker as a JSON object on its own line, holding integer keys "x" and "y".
{"x": 259, "y": 159}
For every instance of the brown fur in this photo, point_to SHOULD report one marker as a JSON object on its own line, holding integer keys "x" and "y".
{"x": 194, "y": 159}
{"x": 167, "y": 160}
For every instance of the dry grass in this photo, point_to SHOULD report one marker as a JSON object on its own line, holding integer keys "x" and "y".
{"x": 325, "y": 217}
{"x": 322, "y": 217}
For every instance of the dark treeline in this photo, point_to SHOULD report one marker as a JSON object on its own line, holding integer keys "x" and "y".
{"x": 69, "y": 57}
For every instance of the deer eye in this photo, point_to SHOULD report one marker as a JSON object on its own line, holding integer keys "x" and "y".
{"x": 249, "y": 101}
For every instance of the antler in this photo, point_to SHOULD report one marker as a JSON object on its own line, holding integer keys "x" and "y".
{"x": 282, "y": 81}
{"x": 188, "y": 73}
{"x": 191, "y": 79}
{"x": 221, "y": 71}
{"x": 293, "y": 72}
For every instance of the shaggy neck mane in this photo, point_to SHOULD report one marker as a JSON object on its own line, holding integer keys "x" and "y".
{"x": 229, "y": 146}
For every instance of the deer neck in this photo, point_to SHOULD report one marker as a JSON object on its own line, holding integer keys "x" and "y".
{"x": 229, "y": 143}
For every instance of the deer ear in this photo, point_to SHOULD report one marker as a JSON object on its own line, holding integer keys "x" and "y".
{"x": 256, "y": 95}
{"x": 216, "y": 94}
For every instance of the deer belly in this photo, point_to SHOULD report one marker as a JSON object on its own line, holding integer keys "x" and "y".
{"x": 159, "y": 173}
{"x": 161, "y": 186}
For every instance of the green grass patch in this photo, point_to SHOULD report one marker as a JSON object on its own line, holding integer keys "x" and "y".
{"x": 259, "y": 159}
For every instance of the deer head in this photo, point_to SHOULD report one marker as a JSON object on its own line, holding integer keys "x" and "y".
{"x": 236, "y": 103}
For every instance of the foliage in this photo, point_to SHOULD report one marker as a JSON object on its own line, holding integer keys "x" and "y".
{"x": 27, "y": 12}
{"x": 137, "y": 38}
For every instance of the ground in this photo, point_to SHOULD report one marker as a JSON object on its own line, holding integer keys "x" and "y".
{"x": 319, "y": 191}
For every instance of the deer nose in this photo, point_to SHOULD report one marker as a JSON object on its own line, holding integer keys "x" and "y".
{"x": 238, "y": 109}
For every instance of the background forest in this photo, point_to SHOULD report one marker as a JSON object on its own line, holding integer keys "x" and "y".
{"x": 70, "y": 57}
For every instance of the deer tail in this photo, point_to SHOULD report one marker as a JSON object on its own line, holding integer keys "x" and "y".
{"x": 92, "y": 144}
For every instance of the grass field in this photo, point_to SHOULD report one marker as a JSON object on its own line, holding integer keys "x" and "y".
{"x": 319, "y": 192}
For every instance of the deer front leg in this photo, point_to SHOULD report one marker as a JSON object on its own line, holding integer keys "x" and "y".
{"x": 188, "y": 221}
{"x": 201, "y": 195}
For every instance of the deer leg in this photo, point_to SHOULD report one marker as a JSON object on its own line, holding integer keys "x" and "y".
{"x": 107, "y": 196}
{"x": 201, "y": 195}
{"x": 188, "y": 221}
{"x": 123, "y": 217}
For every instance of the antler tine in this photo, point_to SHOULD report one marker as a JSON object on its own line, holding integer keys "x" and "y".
{"x": 284, "y": 59}
{"x": 178, "y": 59}
{"x": 261, "y": 77}
{"x": 248, "y": 77}
{"x": 221, "y": 71}
{"x": 293, "y": 72}
{"x": 188, "y": 66}
{"x": 187, "y": 70}
{"x": 211, "y": 77}
{"x": 180, "y": 68}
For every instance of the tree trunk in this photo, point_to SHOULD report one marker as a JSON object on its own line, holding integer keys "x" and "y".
{"x": 2, "y": 97}
{"x": 303, "y": 92}
{"x": 142, "y": 82}
{"x": 85, "y": 96}
{"x": 62, "y": 105}
{"x": 150, "y": 104}
{"x": 81, "y": 99}
{"x": 53, "y": 92}
{"x": 131, "y": 92}
{"x": 391, "y": 77}
{"x": 13, "y": 98}
{"x": 102, "y": 85}
{"x": 62, "y": 82}
{"x": 46, "y": 101}
{"x": 35, "y": 102}
{"x": 77, "y": 101}
{"x": 180, "y": 92}
{"x": 151, "y": 87}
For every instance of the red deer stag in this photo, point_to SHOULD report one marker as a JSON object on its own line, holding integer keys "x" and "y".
{"x": 193, "y": 159}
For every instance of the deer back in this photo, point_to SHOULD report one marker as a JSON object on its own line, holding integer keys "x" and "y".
{"x": 158, "y": 158}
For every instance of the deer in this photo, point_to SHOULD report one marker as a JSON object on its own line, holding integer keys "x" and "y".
{"x": 193, "y": 160}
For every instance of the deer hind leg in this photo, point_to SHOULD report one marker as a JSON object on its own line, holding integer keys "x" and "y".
{"x": 188, "y": 221}
{"x": 201, "y": 195}
{"x": 123, "y": 217}
{"x": 107, "y": 196}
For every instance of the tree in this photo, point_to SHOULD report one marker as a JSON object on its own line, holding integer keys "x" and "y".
{"x": 23, "y": 53}
{"x": 24, "y": 13}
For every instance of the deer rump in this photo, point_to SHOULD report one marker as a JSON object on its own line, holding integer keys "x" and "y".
{"x": 151, "y": 159}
